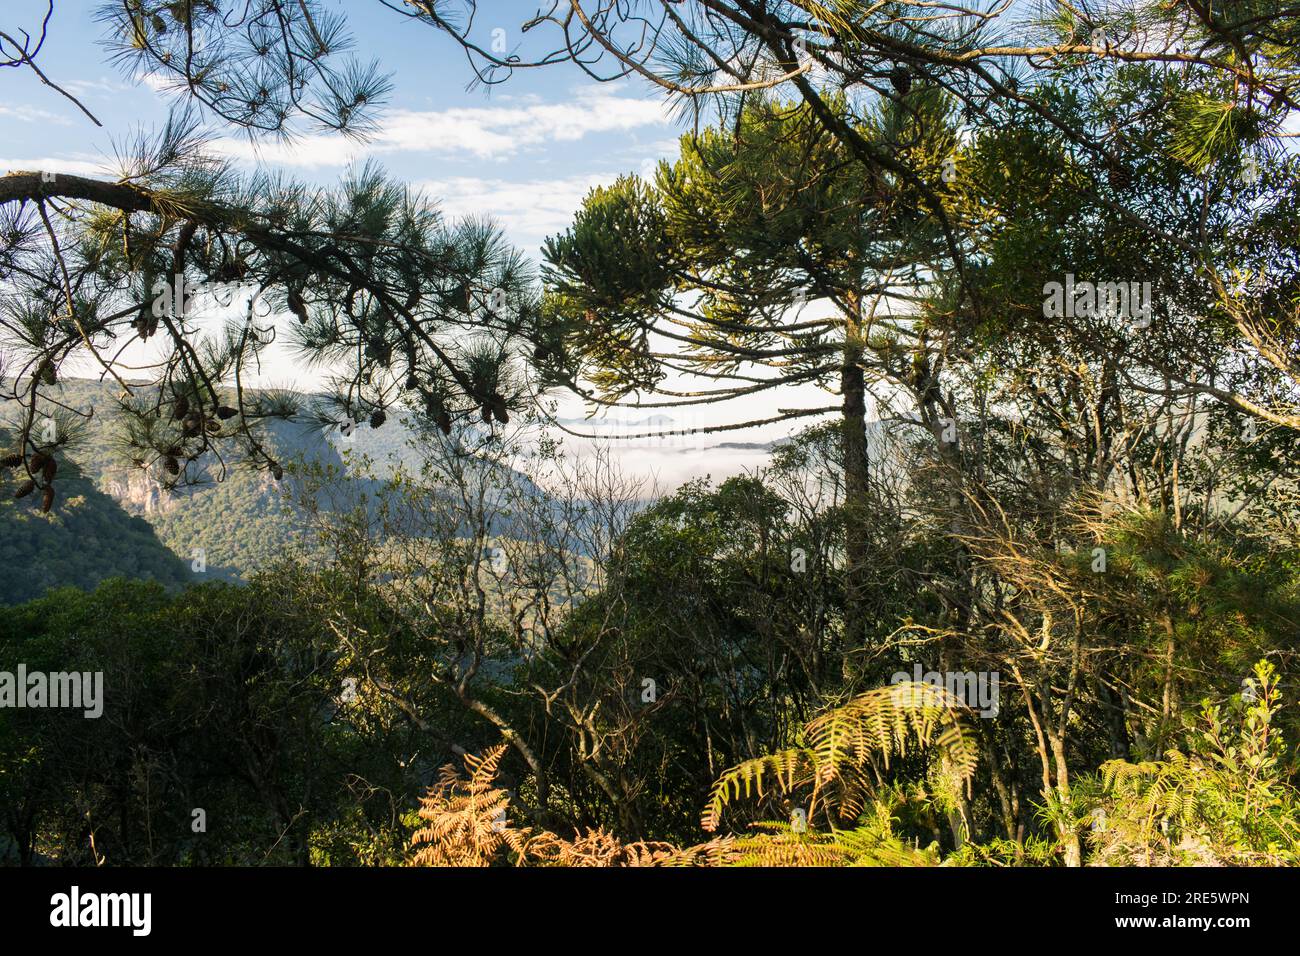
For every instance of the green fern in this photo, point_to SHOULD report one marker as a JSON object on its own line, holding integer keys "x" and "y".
{"x": 1225, "y": 801}
{"x": 848, "y": 746}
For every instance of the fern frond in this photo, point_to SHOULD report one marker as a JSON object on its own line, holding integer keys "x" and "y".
{"x": 786, "y": 771}
{"x": 880, "y": 724}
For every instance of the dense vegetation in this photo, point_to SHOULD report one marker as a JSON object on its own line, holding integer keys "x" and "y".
{"x": 692, "y": 668}
{"x": 1053, "y": 288}
{"x": 86, "y": 541}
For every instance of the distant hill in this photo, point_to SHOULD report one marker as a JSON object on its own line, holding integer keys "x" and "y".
{"x": 754, "y": 445}
{"x": 87, "y": 538}
{"x": 112, "y": 518}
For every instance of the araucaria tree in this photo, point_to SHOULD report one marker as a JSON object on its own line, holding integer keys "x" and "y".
{"x": 764, "y": 258}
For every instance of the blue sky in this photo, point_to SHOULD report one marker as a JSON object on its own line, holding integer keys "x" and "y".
{"x": 524, "y": 153}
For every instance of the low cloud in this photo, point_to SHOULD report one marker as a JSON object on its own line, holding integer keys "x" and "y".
{"x": 528, "y": 211}
{"x": 29, "y": 114}
{"x": 478, "y": 133}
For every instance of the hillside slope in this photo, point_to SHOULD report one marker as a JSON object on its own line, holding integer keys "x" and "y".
{"x": 112, "y": 518}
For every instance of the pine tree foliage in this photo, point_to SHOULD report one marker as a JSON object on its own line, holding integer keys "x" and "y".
{"x": 269, "y": 66}
{"x": 185, "y": 263}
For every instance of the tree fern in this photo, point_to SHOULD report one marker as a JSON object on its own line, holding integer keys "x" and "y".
{"x": 846, "y": 748}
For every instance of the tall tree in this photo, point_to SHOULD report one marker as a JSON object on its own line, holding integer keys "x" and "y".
{"x": 762, "y": 259}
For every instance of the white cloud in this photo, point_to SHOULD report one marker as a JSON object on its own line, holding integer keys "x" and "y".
{"x": 104, "y": 86}
{"x": 29, "y": 114}
{"x": 490, "y": 132}
{"x": 528, "y": 211}
{"x": 308, "y": 152}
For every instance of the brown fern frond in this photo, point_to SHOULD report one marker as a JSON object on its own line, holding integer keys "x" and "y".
{"x": 466, "y": 817}
{"x": 467, "y": 825}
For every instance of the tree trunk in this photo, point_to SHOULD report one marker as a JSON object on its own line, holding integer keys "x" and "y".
{"x": 1116, "y": 722}
{"x": 1068, "y": 836}
{"x": 853, "y": 444}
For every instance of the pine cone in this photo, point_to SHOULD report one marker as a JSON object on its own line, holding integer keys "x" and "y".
{"x": 1119, "y": 177}
{"x": 498, "y": 405}
{"x": 297, "y": 306}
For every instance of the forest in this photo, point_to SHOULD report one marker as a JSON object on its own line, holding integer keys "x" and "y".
{"x": 1016, "y": 282}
